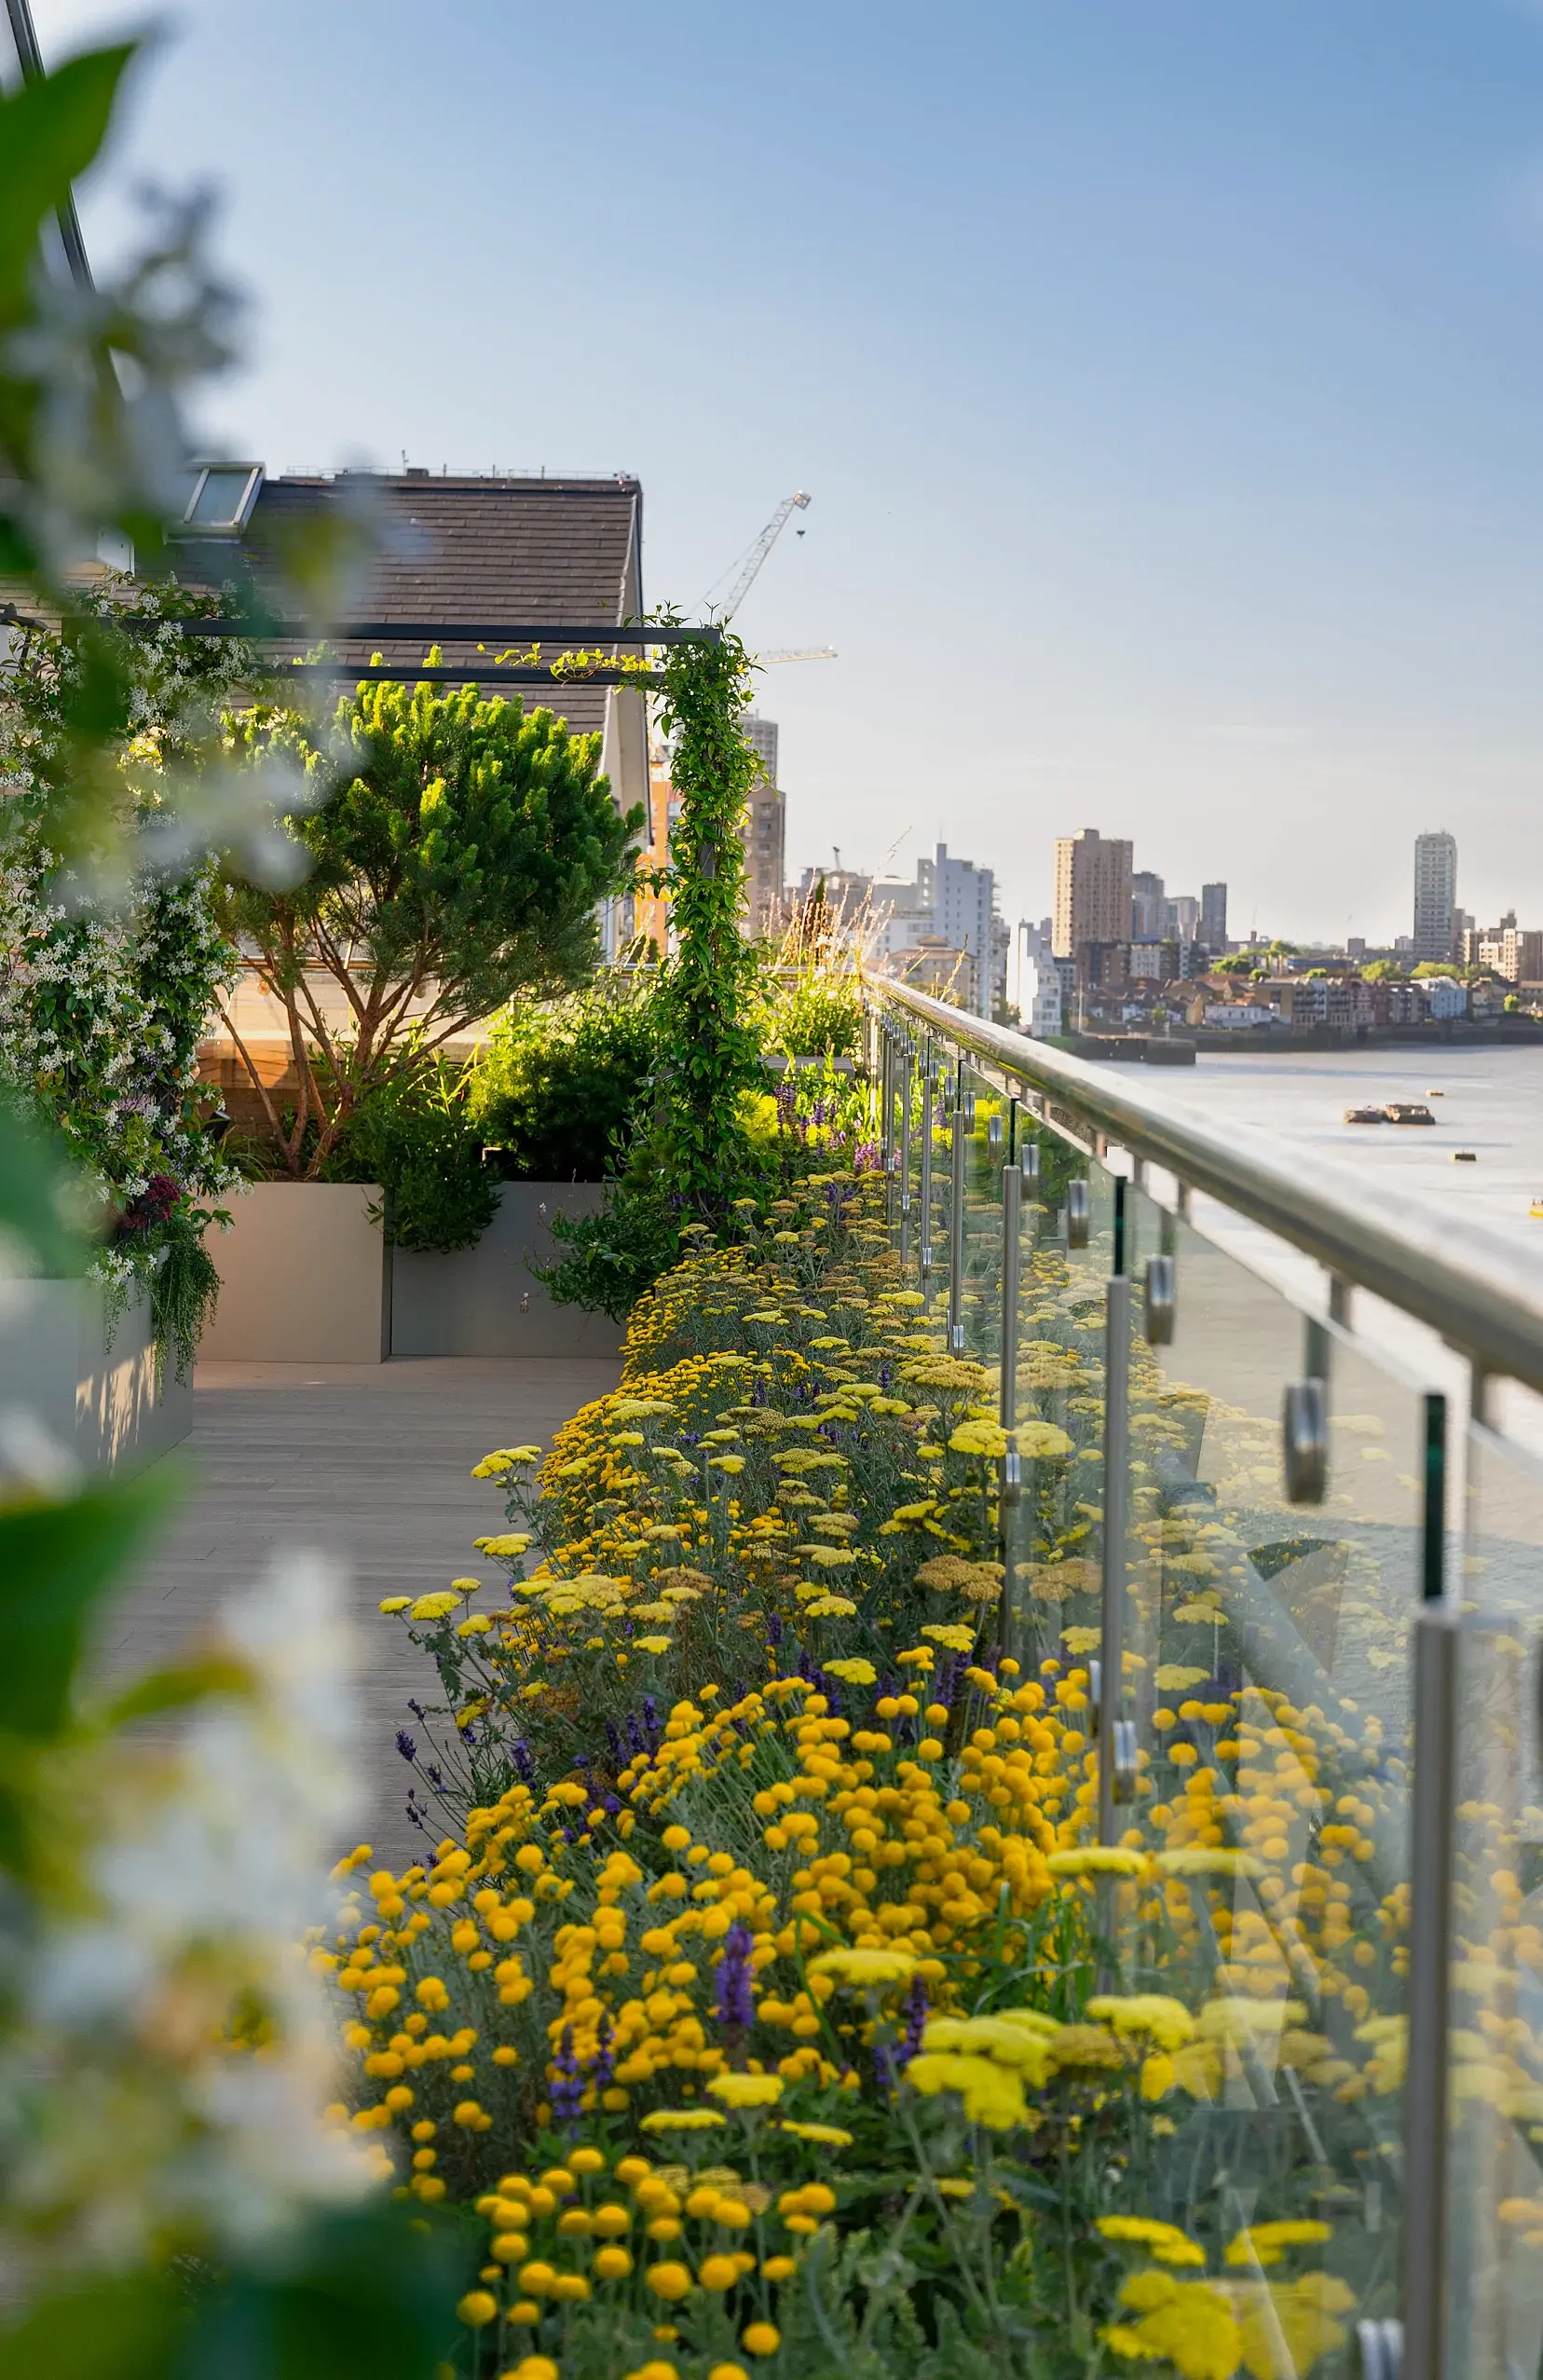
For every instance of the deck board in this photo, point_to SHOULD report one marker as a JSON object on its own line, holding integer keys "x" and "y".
{"x": 369, "y": 1464}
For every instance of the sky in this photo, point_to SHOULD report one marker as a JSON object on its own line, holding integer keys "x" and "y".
{"x": 1165, "y": 377}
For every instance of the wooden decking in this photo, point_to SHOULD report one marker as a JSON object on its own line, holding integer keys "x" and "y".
{"x": 368, "y": 1463}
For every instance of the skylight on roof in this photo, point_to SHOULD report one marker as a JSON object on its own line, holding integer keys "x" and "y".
{"x": 221, "y": 499}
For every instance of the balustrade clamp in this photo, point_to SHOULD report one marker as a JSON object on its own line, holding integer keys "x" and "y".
{"x": 1029, "y": 1162}
{"x": 1304, "y": 1440}
{"x": 1079, "y": 1207}
{"x": 993, "y": 1134}
{"x": 1379, "y": 2350}
{"x": 1158, "y": 1303}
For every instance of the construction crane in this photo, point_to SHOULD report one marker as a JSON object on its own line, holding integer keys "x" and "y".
{"x": 750, "y": 566}
{"x": 800, "y": 652}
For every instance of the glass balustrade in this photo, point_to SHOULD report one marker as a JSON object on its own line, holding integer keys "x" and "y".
{"x": 1494, "y": 2281}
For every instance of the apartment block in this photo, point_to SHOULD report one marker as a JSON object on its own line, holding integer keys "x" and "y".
{"x": 1434, "y": 895}
{"x": 1093, "y": 891}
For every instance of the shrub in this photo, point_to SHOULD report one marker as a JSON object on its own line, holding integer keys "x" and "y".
{"x": 414, "y": 1135}
{"x": 559, "y": 1092}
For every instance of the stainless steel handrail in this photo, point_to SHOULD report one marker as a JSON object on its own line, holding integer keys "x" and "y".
{"x": 1483, "y": 1298}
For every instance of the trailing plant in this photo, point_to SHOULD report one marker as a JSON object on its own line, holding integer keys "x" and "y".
{"x": 415, "y": 1135}
{"x": 456, "y": 860}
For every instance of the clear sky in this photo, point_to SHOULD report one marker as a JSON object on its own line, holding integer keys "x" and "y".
{"x": 1166, "y": 374}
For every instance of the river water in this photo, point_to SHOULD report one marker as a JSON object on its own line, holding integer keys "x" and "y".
{"x": 1491, "y": 1103}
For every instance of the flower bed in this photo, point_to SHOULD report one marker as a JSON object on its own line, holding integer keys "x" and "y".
{"x": 769, "y": 1995}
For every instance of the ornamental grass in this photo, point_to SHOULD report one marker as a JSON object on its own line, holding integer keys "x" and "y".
{"x": 764, "y": 1990}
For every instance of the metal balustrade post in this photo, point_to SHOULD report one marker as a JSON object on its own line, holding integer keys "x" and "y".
{"x": 1116, "y": 1496}
{"x": 956, "y": 1221}
{"x": 1012, "y": 1282}
{"x": 928, "y": 1080}
{"x": 905, "y": 1151}
{"x": 1433, "y": 1830}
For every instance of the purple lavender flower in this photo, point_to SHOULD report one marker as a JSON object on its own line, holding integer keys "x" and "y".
{"x": 774, "y": 1629}
{"x": 406, "y": 1745}
{"x": 734, "y": 2003}
{"x": 525, "y": 1768}
{"x": 884, "y": 2068}
{"x": 568, "y": 2084}
{"x": 603, "y": 2069}
{"x": 433, "y": 1776}
{"x": 918, "y": 2009}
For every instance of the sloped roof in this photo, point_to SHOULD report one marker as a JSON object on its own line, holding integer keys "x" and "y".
{"x": 499, "y": 551}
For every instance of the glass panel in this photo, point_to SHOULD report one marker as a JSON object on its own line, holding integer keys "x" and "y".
{"x": 1265, "y": 1672}
{"x": 1053, "y": 1529}
{"x": 989, "y": 1115}
{"x": 1496, "y": 2204}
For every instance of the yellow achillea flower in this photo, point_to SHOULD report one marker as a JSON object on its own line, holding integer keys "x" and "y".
{"x": 853, "y": 1673}
{"x": 1166, "y": 2021}
{"x": 830, "y": 1608}
{"x": 865, "y": 1966}
{"x": 1188, "y": 2324}
{"x": 992, "y": 2094}
{"x": 437, "y": 1605}
{"x": 1165, "y": 2242}
{"x": 746, "y": 2090}
{"x": 822, "y": 2135}
{"x": 1096, "y": 1859}
{"x": 653, "y": 1643}
{"x": 1266, "y": 2243}
{"x": 396, "y": 1603}
{"x": 1208, "y": 1859}
{"x": 503, "y": 1549}
{"x": 682, "y": 2119}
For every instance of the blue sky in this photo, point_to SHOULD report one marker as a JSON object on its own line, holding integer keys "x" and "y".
{"x": 1167, "y": 375}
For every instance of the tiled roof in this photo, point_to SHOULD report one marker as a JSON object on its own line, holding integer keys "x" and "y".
{"x": 494, "y": 550}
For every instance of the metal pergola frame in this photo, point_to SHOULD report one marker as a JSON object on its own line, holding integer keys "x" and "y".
{"x": 573, "y": 636}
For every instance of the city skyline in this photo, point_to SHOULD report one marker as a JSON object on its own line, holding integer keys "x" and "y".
{"x": 1168, "y": 385}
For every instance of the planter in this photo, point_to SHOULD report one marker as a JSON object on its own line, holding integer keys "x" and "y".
{"x": 305, "y": 1277}
{"x": 487, "y": 1301}
{"x": 95, "y": 1399}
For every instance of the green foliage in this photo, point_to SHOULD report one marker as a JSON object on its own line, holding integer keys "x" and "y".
{"x": 559, "y": 1091}
{"x": 456, "y": 863}
{"x": 619, "y": 1252}
{"x": 813, "y": 1012}
{"x": 413, "y": 1134}
{"x": 1381, "y": 971}
{"x": 1241, "y": 962}
{"x": 185, "y": 1287}
{"x": 359, "y": 2296}
{"x": 710, "y": 1052}
{"x": 692, "y": 1153}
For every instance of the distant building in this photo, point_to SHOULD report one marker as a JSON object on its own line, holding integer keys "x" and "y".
{"x": 1093, "y": 891}
{"x": 1434, "y": 895}
{"x": 1508, "y": 949}
{"x": 1445, "y": 997}
{"x": 764, "y": 831}
{"x": 950, "y": 906}
{"x": 963, "y": 898}
{"x": 1181, "y": 918}
{"x": 1040, "y": 996}
{"x": 948, "y": 973}
{"x": 1146, "y": 906}
{"x": 1213, "y": 919}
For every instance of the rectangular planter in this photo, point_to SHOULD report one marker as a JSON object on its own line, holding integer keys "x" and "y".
{"x": 96, "y": 1399}
{"x": 487, "y": 1301}
{"x": 305, "y": 1277}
